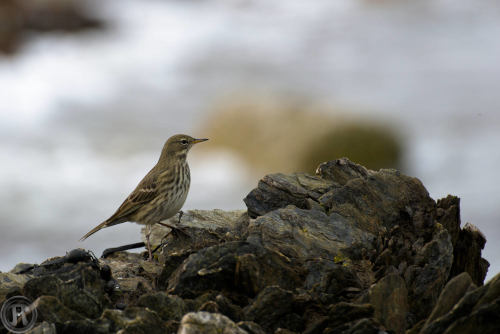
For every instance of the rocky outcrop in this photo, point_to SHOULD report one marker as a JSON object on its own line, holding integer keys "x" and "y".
{"x": 349, "y": 250}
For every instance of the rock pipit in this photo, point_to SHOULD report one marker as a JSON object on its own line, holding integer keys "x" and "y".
{"x": 161, "y": 193}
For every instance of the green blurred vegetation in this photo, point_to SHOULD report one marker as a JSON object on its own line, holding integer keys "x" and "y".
{"x": 283, "y": 135}
{"x": 373, "y": 146}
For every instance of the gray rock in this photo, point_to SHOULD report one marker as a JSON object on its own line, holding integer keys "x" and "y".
{"x": 233, "y": 266}
{"x": 251, "y": 327}
{"x": 10, "y": 281}
{"x": 389, "y": 298}
{"x": 53, "y": 311}
{"x": 276, "y": 191}
{"x": 208, "y": 323}
{"x": 341, "y": 171}
{"x": 306, "y": 234}
{"x": 134, "y": 320}
{"x": 272, "y": 309}
{"x": 454, "y": 290}
{"x": 168, "y": 307}
{"x": 43, "y": 328}
{"x": 426, "y": 280}
{"x": 205, "y": 228}
{"x": 343, "y": 313}
{"x": 476, "y": 312}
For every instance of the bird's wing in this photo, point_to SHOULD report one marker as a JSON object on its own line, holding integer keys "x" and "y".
{"x": 145, "y": 191}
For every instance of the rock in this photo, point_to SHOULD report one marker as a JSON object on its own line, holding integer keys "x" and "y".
{"x": 168, "y": 307}
{"x": 380, "y": 200}
{"x": 476, "y": 311}
{"x": 132, "y": 276}
{"x": 134, "y": 320}
{"x": 208, "y": 323}
{"x": 450, "y": 295}
{"x": 53, "y": 311}
{"x": 304, "y": 234}
{"x": 251, "y": 327}
{"x": 426, "y": 279}
{"x": 448, "y": 215}
{"x": 467, "y": 242}
{"x": 78, "y": 286}
{"x": 273, "y": 308}
{"x": 11, "y": 281}
{"x": 276, "y": 191}
{"x": 232, "y": 266}
{"x": 205, "y": 228}
{"x": 331, "y": 282}
{"x": 364, "y": 326}
{"x": 43, "y": 328}
{"x": 467, "y": 254}
{"x": 341, "y": 170}
{"x": 349, "y": 250}
{"x": 389, "y": 298}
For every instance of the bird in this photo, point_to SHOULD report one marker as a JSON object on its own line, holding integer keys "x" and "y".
{"x": 161, "y": 193}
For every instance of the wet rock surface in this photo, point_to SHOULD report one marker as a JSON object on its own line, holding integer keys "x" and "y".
{"x": 349, "y": 250}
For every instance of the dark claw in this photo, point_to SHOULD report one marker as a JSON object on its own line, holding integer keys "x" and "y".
{"x": 108, "y": 251}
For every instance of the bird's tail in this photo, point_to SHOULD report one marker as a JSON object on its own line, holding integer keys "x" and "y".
{"x": 97, "y": 228}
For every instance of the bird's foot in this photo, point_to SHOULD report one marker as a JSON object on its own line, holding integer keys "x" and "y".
{"x": 176, "y": 230}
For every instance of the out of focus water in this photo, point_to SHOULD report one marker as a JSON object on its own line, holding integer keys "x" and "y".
{"x": 83, "y": 117}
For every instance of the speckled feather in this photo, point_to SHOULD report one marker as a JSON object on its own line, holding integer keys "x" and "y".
{"x": 161, "y": 193}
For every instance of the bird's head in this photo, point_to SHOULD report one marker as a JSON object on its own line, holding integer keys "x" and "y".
{"x": 179, "y": 145}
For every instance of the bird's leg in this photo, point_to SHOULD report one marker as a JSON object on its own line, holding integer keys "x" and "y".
{"x": 148, "y": 244}
{"x": 178, "y": 230}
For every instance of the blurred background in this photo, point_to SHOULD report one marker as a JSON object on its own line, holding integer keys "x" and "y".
{"x": 90, "y": 90}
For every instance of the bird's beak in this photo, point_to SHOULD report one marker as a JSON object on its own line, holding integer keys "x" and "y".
{"x": 196, "y": 141}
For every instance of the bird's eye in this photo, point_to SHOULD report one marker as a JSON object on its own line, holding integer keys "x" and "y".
{"x": 184, "y": 142}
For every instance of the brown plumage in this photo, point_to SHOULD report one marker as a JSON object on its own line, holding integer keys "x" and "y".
{"x": 161, "y": 193}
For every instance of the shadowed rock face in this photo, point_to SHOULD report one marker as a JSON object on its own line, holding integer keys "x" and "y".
{"x": 348, "y": 250}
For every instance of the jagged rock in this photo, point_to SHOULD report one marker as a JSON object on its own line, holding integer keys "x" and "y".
{"x": 347, "y": 251}
{"x": 382, "y": 199}
{"x": 426, "y": 279}
{"x": 168, "y": 307}
{"x": 133, "y": 276}
{"x": 43, "y": 328}
{"x": 467, "y": 242}
{"x": 448, "y": 215}
{"x": 342, "y": 313}
{"x": 305, "y": 234}
{"x": 450, "y": 295}
{"x": 53, "y": 311}
{"x": 134, "y": 320}
{"x": 389, "y": 298}
{"x": 273, "y": 308}
{"x": 476, "y": 312}
{"x": 329, "y": 281}
{"x": 251, "y": 327}
{"x": 276, "y": 191}
{"x": 233, "y": 266}
{"x": 79, "y": 286}
{"x": 208, "y": 323}
{"x": 341, "y": 171}
{"x": 205, "y": 228}
{"x": 11, "y": 281}
{"x": 467, "y": 254}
